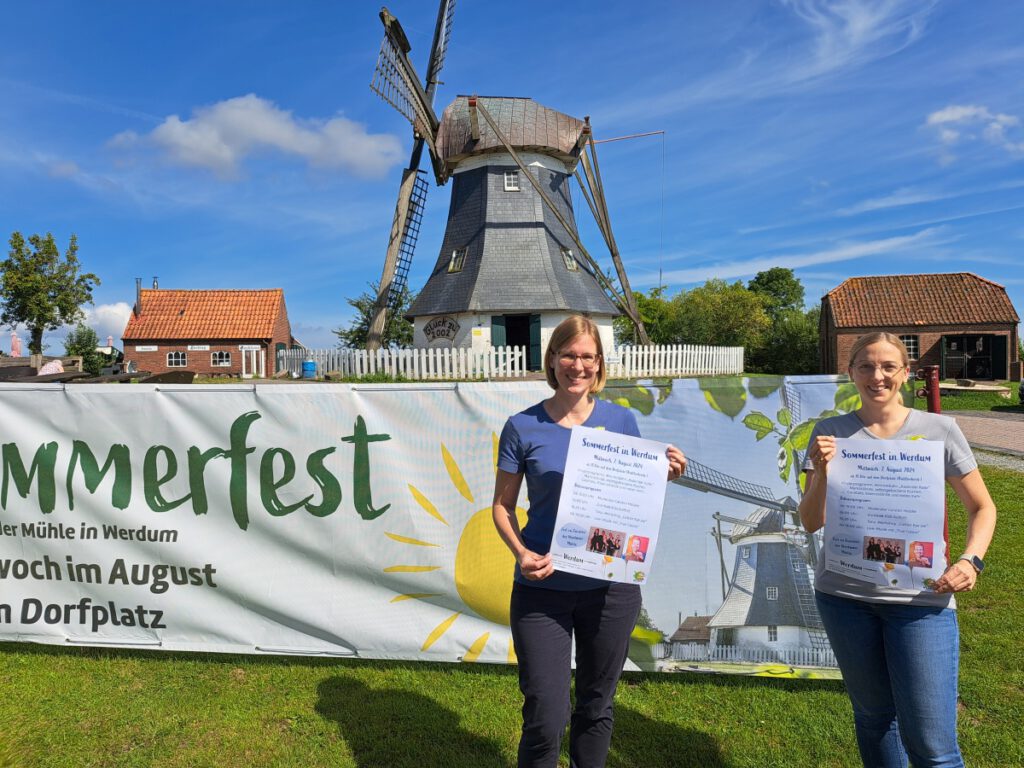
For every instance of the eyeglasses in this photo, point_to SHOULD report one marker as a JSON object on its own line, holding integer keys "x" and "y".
{"x": 887, "y": 369}
{"x": 568, "y": 360}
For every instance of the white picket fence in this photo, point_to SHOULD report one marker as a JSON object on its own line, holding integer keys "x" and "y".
{"x": 797, "y": 657}
{"x": 411, "y": 364}
{"x": 509, "y": 362}
{"x": 674, "y": 360}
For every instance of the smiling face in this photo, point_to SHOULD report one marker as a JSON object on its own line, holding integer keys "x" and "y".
{"x": 576, "y": 365}
{"x": 879, "y": 372}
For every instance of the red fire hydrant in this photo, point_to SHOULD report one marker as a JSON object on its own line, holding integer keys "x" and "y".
{"x": 929, "y": 376}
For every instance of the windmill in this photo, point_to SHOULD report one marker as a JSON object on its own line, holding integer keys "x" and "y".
{"x": 504, "y": 261}
{"x": 770, "y": 585}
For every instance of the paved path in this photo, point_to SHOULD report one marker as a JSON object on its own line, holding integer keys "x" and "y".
{"x": 998, "y": 438}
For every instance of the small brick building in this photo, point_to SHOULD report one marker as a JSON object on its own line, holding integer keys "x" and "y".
{"x": 960, "y": 322}
{"x": 210, "y": 332}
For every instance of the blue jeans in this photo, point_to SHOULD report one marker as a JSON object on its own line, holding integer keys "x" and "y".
{"x": 899, "y": 663}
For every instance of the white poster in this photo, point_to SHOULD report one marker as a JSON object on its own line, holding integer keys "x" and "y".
{"x": 610, "y": 507}
{"x": 884, "y": 512}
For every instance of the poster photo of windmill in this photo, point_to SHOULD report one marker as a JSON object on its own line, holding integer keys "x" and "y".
{"x": 732, "y": 586}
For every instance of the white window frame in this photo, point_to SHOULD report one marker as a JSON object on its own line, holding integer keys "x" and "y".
{"x": 220, "y": 359}
{"x": 773, "y": 633}
{"x": 458, "y": 260}
{"x": 913, "y": 344}
{"x": 771, "y": 593}
{"x": 177, "y": 359}
{"x": 511, "y": 181}
{"x": 570, "y": 262}
{"x": 745, "y": 553}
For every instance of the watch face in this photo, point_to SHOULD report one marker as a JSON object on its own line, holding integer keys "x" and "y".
{"x": 978, "y": 563}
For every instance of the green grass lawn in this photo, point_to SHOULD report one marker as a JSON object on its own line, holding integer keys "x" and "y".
{"x": 80, "y": 707}
{"x": 979, "y": 401}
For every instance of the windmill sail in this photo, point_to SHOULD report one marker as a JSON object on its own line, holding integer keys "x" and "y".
{"x": 396, "y": 82}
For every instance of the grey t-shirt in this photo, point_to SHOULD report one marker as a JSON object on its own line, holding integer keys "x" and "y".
{"x": 959, "y": 461}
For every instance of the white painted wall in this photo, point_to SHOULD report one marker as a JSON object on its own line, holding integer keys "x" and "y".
{"x": 475, "y": 331}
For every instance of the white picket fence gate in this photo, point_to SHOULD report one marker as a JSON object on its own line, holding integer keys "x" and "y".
{"x": 509, "y": 362}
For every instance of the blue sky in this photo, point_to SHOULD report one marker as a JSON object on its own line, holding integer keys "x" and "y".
{"x": 237, "y": 144}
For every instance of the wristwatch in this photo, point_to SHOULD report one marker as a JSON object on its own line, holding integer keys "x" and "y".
{"x": 976, "y": 562}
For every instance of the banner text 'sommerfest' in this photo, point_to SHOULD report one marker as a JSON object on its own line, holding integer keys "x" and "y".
{"x": 356, "y": 521}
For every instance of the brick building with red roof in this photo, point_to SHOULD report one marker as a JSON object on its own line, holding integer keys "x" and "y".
{"x": 958, "y": 321}
{"x": 210, "y": 332}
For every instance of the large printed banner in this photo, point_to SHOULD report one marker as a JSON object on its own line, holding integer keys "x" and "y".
{"x": 355, "y": 520}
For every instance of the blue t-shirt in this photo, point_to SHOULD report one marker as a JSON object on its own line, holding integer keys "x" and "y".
{"x": 533, "y": 445}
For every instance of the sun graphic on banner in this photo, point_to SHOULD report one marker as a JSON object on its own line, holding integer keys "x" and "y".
{"x": 483, "y": 565}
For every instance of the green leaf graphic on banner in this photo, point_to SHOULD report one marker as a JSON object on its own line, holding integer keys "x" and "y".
{"x": 763, "y": 386}
{"x": 725, "y": 395}
{"x": 637, "y": 398}
{"x": 784, "y": 417}
{"x": 760, "y": 423}
{"x": 847, "y": 397}
{"x": 801, "y": 434}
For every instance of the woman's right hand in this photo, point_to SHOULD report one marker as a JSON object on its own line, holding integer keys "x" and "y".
{"x": 535, "y": 567}
{"x": 822, "y": 452}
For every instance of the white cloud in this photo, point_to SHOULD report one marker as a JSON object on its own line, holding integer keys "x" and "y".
{"x": 221, "y": 136}
{"x": 959, "y": 123}
{"x": 108, "y": 320}
{"x": 884, "y": 247}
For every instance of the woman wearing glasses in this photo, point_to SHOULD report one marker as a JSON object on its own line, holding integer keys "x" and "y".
{"x": 548, "y": 607}
{"x": 898, "y": 649}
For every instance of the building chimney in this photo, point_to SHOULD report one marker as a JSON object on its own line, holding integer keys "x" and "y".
{"x": 138, "y": 297}
{"x": 155, "y": 283}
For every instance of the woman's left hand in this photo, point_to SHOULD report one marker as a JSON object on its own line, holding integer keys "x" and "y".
{"x": 959, "y": 577}
{"x": 676, "y": 463}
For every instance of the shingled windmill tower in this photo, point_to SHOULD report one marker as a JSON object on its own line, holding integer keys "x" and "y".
{"x": 511, "y": 264}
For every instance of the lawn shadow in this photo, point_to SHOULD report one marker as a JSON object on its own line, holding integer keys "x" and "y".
{"x": 398, "y": 729}
{"x": 639, "y": 740}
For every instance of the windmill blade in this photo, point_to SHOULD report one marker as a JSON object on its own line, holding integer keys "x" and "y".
{"x": 707, "y": 480}
{"x": 396, "y": 82}
{"x": 439, "y": 48}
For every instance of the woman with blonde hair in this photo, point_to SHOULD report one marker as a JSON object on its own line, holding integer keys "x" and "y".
{"x": 549, "y": 607}
{"x": 898, "y": 648}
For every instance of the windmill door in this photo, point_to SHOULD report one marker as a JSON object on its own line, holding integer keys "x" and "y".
{"x": 518, "y": 331}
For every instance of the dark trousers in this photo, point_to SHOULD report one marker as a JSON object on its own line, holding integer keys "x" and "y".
{"x": 543, "y": 623}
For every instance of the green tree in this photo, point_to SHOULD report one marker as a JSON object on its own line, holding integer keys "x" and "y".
{"x": 42, "y": 290}
{"x": 659, "y": 314}
{"x": 791, "y": 346}
{"x": 83, "y": 341}
{"x": 720, "y": 314}
{"x": 781, "y": 290}
{"x": 397, "y": 331}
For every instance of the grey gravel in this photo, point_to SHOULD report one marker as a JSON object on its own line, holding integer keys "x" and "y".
{"x": 1003, "y": 460}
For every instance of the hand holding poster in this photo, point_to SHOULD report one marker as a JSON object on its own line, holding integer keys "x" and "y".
{"x": 884, "y": 512}
{"x": 609, "y": 511}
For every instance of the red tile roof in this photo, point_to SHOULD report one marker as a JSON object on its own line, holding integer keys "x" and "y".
{"x": 957, "y": 298}
{"x": 228, "y": 314}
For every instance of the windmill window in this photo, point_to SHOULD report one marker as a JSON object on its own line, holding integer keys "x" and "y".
{"x": 177, "y": 359}
{"x": 220, "y": 359}
{"x": 458, "y": 260}
{"x": 511, "y": 181}
{"x": 570, "y": 262}
{"x": 912, "y": 343}
{"x": 773, "y": 633}
{"x": 745, "y": 553}
{"x": 772, "y": 593}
